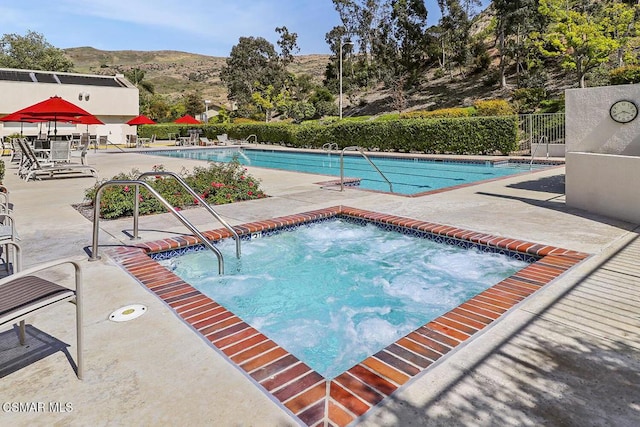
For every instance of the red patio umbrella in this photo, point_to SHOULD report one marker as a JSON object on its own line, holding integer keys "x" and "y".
{"x": 188, "y": 120}
{"x": 141, "y": 120}
{"x": 56, "y": 108}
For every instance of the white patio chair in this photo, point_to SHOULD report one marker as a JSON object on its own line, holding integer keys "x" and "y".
{"x": 23, "y": 294}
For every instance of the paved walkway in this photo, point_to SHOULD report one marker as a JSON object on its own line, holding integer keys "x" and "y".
{"x": 570, "y": 355}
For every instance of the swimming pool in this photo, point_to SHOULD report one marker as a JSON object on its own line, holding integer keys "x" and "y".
{"x": 300, "y": 390}
{"x": 409, "y": 176}
{"x": 335, "y": 292}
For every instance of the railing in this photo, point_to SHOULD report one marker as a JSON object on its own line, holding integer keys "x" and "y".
{"x": 185, "y": 222}
{"x": 255, "y": 139}
{"x": 531, "y": 127}
{"x": 533, "y": 152}
{"x": 358, "y": 149}
{"x": 330, "y": 146}
{"x": 195, "y": 195}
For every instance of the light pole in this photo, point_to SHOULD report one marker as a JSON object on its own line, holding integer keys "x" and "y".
{"x": 342, "y": 44}
{"x": 206, "y": 110}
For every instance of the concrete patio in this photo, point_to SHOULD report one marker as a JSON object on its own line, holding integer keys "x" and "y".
{"x": 569, "y": 355}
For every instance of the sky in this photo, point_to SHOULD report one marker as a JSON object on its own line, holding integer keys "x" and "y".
{"x": 207, "y": 27}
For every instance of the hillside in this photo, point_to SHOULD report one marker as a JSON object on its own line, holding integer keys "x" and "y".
{"x": 174, "y": 73}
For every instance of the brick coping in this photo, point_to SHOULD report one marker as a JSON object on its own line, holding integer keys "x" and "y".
{"x": 307, "y": 395}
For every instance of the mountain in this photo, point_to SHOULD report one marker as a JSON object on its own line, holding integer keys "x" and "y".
{"x": 174, "y": 73}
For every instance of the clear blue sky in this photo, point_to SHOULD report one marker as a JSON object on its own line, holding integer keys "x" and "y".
{"x": 208, "y": 27}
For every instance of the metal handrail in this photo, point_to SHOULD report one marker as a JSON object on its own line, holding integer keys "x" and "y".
{"x": 533, "y": 153}
{"x": 330, "y": 146}
{"x": 255, "y": 139}
{"x": 196, "y": 196}
{"x": 137, "y": 183}
{"x": 356, "y": 148}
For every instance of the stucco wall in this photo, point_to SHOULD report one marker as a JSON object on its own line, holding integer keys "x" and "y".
{"x": 589, "y": 128}
{"x": 603, "y": 156}
{"x": 113, "y": 105}
{"x": 605, "y": 184}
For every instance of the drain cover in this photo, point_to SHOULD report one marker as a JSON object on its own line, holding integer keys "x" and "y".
{"x": 128, "y": 312}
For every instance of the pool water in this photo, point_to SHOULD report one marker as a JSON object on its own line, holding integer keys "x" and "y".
{"x": 409, "y": 176}
{"x": 336, "y": 292}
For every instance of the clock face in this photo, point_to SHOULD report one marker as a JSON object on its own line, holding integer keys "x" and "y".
{"x": 623, "y": 111}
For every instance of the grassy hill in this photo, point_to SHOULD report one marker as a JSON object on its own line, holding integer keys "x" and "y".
{"x": 174, "y": 73}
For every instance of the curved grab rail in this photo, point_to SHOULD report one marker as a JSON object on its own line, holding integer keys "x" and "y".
{"x": 533, "y": 154}
{"x": 328, "y": 146}
{"x": 138, "y": 183}
{"x": 255, "y": 139}
{"x": 196, "y": 196}
{"x": 358, "y": 149}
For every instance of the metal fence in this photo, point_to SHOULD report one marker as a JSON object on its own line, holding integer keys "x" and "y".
{"x": 533, "y": 127}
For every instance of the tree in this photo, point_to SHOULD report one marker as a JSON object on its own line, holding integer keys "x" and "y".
{"x": 157, "y": 108}
{"x": 32, "y": 52}
{"x": 254, "y": 64}
{"x": 577, "y": 35}
{"x": 253, "y": 60}
{"x": 515, "y": 20}
{"x": 136, "y": 76}
{"x": 193, "y": 103}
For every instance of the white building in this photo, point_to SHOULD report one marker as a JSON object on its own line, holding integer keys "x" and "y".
{"x": 112, "y": 99}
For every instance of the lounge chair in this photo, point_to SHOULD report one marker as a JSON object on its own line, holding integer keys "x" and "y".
{"x": 223, "y": 139}
{"x": 206, "y": 141}
{"x": 132, "y": 141}
{"x": 81, "y": 152}
{"x": 146, "y": 142}
{"x": 23, "y": 294}
{"x": 60, "y": 152}
{"x": 33, "y": 167}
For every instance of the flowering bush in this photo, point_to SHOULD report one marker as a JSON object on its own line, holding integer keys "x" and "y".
{"x": 217, "y": 184}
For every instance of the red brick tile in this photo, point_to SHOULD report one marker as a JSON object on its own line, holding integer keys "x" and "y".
{"x": 312, "y": 396}
{"x": 339, "y": 416}
{"x": 358, "y": 388}
{"x": 313, "y": 414}
{"x": 348, "y": 399}
{"x": 278, "y": 379}
{"x": 244, "y": 345}
{"x": 373, "y": 380}
{"x": 264, "y": 359}
{"x": 309, "y": 386}
{"x": 253, "y": 352}
{"x": 386, "y": 371}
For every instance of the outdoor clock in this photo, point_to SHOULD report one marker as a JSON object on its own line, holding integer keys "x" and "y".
{"x": 623, "y": 111}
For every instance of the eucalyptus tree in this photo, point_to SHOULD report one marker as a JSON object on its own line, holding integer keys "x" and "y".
{"x": 32, "y": 52}
{"x": 254, "y": 66}
{"x": 455, "y": 26}
{"x": 577, "y": 35}
{"x": 515, "y": 20}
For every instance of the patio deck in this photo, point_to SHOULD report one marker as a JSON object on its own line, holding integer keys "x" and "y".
{"x": 569, "y": 355}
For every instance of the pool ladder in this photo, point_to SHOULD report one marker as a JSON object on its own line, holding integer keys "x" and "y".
{"x": 533, "y": 153}
{"x": 137, "y": 183}
{"x": 358, "y": 149}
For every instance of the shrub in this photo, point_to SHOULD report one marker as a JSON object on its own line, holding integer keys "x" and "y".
{"x": 217, "y": 184}
{"x": 443, "y": 112}
{"x": 625, "y": 75}
{"x": 528, "y": 100}
{"x": 2, "y": 169}
{"x": 495, "y": 107}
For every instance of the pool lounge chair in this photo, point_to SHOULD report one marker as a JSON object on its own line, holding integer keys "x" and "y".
{"x": 206, "y": 141}
{"x": 223, "y": 139}
{"x": 23, "y": 294}
{"x": 32, "y": 167}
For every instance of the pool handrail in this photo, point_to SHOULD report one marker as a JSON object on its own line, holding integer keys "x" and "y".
{"x": 200, "y": 200}
{"x": 533, "y": 153}
{"x": 165, "y": 203}
{"x": 358, "y": 149}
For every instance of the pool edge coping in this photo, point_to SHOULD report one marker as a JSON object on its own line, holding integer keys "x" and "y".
{"x": 298, "y": 389}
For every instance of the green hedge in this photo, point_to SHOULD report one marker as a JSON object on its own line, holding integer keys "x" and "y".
{"x": 473, "y": 135}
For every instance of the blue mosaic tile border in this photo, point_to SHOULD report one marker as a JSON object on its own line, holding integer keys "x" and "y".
{"x": 520, "y": 256}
